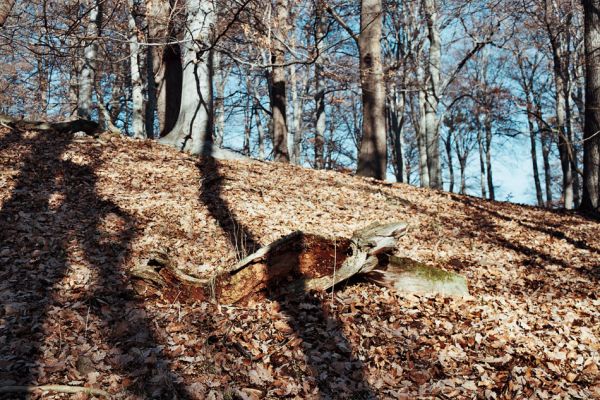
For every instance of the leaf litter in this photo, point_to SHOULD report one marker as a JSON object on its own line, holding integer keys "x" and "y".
{"x": 77, "y": 215}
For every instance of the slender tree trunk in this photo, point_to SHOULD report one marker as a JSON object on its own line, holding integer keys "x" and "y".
{"x": 151, "y": 94}
{"x": 260, "y": 130}
{"x": 421, "y": 132}
{"x": 488, "y": 157}
{"x": 546, "y": 142}
{"x": 193, "y": 130}
{"x": 320, "y": 118}
{"x": 88, "y": 68}
{"x": 563, "y": 143}
{"x": 167, "y": 70}
{"x": 432, "y": 95}
{"x": 591, "y": 136}
{"x": 572, "y": 150}
{"x": 137, "y": 85}
{"x": 482, "y": 173}
{"x": 5, "y": 9}
{"x": 533, "y": 139}
{"x": 372, "y": 157}
{"x": 297, "y": 104}
{"x": 463, "y": 180}
{"x": 247, "y": 127}
{"x": 448, "y": 145}
{"x": 396, "y": 124}
{"x": 221, "y": 80}
{"x": 278, "y": 86}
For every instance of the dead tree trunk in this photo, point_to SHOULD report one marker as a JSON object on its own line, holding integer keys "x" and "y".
{"x": 298, "y": 263}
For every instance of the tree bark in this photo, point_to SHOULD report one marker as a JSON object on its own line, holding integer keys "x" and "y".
{"x": 533, "y": 139}
{"x": 320, "y": 117}
{"x": 193, "y": 130}
{"x": 5, "y": 10}
{"x": 480, "y": 146}
{"x": 560, "y": 70}
{"x": 432, "y": 95}
{"x": 448, "y": 146}
{"x": 488, "y": 157}
{"x": 87, "y": 75}
{"x": 396, "y": 108}
{"x": 591, "y": 136}
{"x": 137, "y": 85}
{"x": 278, "y": 86}
{"x": 297, "y": 104}
{"x": 421, "y": 133}
{"x": 167, "y": 70}
{"x": 372, "y": 157}
{"x": 221, "y": 81}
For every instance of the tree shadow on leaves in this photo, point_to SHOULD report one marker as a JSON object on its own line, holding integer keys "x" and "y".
{"x": 60, "y": 227}
{"x": 324, "y": 344}
{"x": 479, "y": 217}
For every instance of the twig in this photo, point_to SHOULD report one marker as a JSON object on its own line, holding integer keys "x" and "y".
{"x": 54, "y": 388}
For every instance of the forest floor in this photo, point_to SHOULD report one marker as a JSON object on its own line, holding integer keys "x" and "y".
{"x": 76, "y": 214}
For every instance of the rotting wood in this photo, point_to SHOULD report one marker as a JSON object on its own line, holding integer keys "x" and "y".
{"x": 297, "y": 263}
{"x": 78, "y": 125}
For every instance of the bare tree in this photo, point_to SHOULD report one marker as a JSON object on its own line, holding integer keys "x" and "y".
{"x": 193, "y": 130}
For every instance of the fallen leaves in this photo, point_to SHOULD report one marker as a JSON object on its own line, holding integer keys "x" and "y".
{"x": 531, "y": 328}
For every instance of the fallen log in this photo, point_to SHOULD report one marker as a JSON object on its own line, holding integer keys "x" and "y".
{"x": 297, "y": 263}
{"x": 78, "y": 125}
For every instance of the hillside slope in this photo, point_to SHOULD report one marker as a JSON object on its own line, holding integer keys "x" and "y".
{"x": 77, "y": 213}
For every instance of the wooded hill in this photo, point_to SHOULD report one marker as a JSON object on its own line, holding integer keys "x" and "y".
{"x": 78, "y": 214}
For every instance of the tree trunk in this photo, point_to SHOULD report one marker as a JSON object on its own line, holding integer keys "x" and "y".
{"x": 320, "y": 117}
{"x": 422, "y": 141}
{"x": 532, "y": 138}
{"x": 278, "y": 86}
{"x": 546, "y": 142}
{"x": 260, "y": 130}
{"x": 167, "y": 70}
{"x": 448, "y": 145}
{"x": 481, "y": 160}
{"x": 432, "y": 96}
{"x": 87, "y": 75}
{"x": 297, "y": 104}
{"x": 137, "y": 85}
{"x": 488, "y": 157}
{"x": 221, "y": 81}
{"x": 396, "y": 121}
{"x": 5, "y": 9}
{"x": 591, "y": 136}
{"x": 372, "y": 157}
{"x": 563, "y": 143}
{"x": 247, "y": 126}
{"x": 193, "y": 130}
